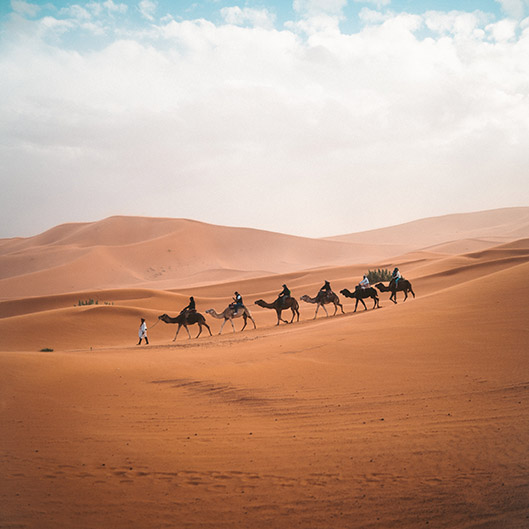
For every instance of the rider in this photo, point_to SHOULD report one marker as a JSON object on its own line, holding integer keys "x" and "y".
{"x": 324, "y": 290}
{"x": 364, "y": 283}
{"x": 285, "y": 293}
{"x": 190, "y": 308}
{"x": 237, "y": 303}
{"x": 395, "y": 276}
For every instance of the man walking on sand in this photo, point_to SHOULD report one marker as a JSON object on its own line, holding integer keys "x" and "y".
{"x": 142, "y": 333}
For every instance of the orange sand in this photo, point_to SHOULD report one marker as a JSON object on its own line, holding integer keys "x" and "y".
{"x": 412, "y": 415}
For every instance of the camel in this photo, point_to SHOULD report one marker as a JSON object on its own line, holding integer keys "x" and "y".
{"x": 185, "y": 320}
{"x": 229, "y": 313}
{"x": 288, "y": 303}
{"x": 403, "y": 285}
{"x": 360, "y": 294}
{"x": 321, "y": 299}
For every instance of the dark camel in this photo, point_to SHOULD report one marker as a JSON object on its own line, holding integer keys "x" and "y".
{"x": 360, "y": 294}
{"x": 321, "y": 299}
{"x": 403, "y": 285}
{"x": 229, "y": 313}
{"x": 288, "y": 303}
{"x": 184, "y": 320}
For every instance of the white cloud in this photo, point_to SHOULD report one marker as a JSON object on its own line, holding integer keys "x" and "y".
{"x": 147, "y": 9}
{"x": 109, "y": 7}
{"x": 75, "y": 11}
{"x": 503, "y": 30}
{"x": 255, "y": 17}
{"x": 317, "y": 7}
{"x": 25, "y": 8}
{"x": 377, "y": 3}
{"x": 514, "y": 8}
{"x": 202, "y": 116}
{"x": 369, "y": 16}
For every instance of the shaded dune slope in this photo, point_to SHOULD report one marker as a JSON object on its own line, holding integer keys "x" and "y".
{"x": 127, "y": 252}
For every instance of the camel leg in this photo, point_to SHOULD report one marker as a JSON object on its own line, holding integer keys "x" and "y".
{"x": 335, "y": 309}
{"x": 297, "y": 312}
{"x": 361, "y": 301}
{"x": 199, "y": 331}
{"x": 254, "y": 326}
{"x": 405, "y": 295}
{"x": 177, "y": 331}
{"x": 222, "y": 326}
{"x": 245, "y": 318}
{"x": 207, "y": 327}
{"x": 341, "y": 306}
{"x": 413, "y": 293}
{"x": 326, "y": 313}
{"x": 393, "y": 297}
{"x": 279, "y": 318}
{"x": 232, "y": 326}
{"x": 188, "y": 333}
{"x": 375, "y": 305}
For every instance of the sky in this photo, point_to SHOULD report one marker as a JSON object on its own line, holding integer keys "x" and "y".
{"x": 310, "y": 117}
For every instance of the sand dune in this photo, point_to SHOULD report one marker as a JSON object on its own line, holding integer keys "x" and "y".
{"x": 412, "y": 415}
{"x": 499, "y": 225}
{"x": 55, "y": 321}
{"x": 127, "y": 252}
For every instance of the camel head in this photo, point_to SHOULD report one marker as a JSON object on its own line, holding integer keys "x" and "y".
{"x": 305, "y": 297}
{"x": 380, "y": 286}
{"x": 210, "y": 311}
{"x": 345, "y": 292}
{"x": 162, "y": 317}
{"x": 259, "y": 302}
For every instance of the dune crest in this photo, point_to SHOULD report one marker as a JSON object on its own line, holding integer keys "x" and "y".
{"x": 132, "y": 252}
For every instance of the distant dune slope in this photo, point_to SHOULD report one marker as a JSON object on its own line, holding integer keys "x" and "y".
{"x": 137, "y": 252}
{"x": 489, "y": 227}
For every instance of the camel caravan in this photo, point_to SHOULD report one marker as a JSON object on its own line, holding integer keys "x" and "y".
{"x": 284, "y": 302}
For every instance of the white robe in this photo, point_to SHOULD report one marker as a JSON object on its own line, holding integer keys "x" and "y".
{"x": 142, "y": 333}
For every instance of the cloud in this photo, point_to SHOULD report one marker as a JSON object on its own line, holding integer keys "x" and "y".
{"x": 255, "y": 17}
{"x": 147, "y": 9}
{"x": 514, "y": 8}
{"x": 239, "y": 123}
{"x": 377, "y": 3}
{"x": 24, "y": 8}
{"x": 108, "y": 7}
{"x": 318, "y": 7}
{"x": 75, "y": 11}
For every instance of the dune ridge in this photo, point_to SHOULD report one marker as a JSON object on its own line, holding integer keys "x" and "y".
{"x": 127, "y": 252}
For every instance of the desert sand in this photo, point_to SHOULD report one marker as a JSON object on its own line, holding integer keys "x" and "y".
{"x": 411, "y": 415}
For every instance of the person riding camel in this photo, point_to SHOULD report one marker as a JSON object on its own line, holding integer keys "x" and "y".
{"x": 395, "y": 276}
{"x": 285, "y": 293}
{"x": 324, "y": 290}
{"x": 190, "y": 308}
{"x": 237, "y": 303}
{"x": 364, "y": 283}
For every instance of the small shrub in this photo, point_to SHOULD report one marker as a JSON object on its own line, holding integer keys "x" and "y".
{"x": 46, "y": 350}
{"x": 375, "y": 276}
{"x": 83, "y": 302}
